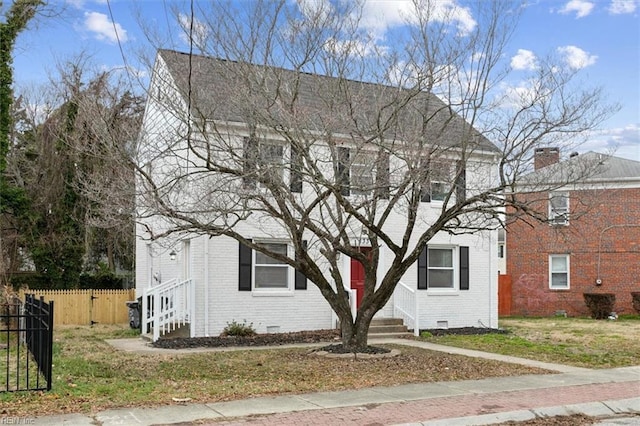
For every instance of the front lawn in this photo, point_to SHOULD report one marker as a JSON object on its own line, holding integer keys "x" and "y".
{"x": 91, "y": 375}
{"x": 581, "y": 342}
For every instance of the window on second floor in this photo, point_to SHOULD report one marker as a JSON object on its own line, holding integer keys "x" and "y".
{"x": 441, "y": 178}
{"x": 262, "y": 159}
{"x": 501, "y": 243}
{"x": 559, "y": 208}
{"x": 271, "y": 161}
{"x": 363, "y": 172}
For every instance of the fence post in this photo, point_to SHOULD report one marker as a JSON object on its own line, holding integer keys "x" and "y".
{"x": 50, "y": 346}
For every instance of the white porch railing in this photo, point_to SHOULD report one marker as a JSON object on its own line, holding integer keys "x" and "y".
{"x": 405, "y": 306}
{"x": 167, "y": 307}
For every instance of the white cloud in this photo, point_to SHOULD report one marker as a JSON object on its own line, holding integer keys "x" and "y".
{"x": 78, "y": 4}
{"x": 622, "y": 142}
{"x": 576, "y": 58}
{"x": 581, "y": 8}
{"x": 103, "y": 28}
{"x": 314, "y": 9}
{"x": 352, "y": 48}
{"x": 618, "y": 7}
{"x": 524, "y": 60}
{"x": 380, "y": 15}
{"x": 200, "y": 30}
{"x": 518, "y": 95}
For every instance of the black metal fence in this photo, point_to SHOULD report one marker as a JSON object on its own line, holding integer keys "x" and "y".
{"x": 26, "y": 345}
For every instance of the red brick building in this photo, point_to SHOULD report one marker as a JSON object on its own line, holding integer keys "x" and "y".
{"x": 591, "y": 243}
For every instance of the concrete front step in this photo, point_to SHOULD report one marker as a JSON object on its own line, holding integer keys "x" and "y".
{"x": 183, "y": 331}
{"x": 389, "y": 335}
{"x": 387, "y": 327}
{"x": 386, "y": 321}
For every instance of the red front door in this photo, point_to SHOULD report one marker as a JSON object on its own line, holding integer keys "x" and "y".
{"x": 357, "y": 276}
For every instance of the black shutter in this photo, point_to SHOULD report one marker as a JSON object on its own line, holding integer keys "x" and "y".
{"x": 244, "y": 277}
{"x": 382, "y": 175}
{"x": 464, "y": 268}
{"x": 461, "y": 182}
{"x": 343, "y": 177}
{"x": 301, "y": 279}
{"x": 425, "y": 182}
{"x": 295, "y": 185}
{"x": 423, "y": 269}
{"x": 250, "y": 157}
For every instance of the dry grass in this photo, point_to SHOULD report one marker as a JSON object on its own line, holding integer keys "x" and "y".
{"x": 90, "y": 375}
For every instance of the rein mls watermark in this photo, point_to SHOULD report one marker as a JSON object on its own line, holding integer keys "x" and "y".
{"x": 17, "y": 420}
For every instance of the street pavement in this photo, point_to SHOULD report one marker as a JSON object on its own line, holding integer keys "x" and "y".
{"x": 611, "y": 395}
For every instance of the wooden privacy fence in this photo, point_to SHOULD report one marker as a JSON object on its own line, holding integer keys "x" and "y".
{"x": 504, "y": 295}
{"x": 87, "y": 307}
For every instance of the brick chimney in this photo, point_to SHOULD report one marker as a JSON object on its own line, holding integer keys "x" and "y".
{"x": 545, "y": 157}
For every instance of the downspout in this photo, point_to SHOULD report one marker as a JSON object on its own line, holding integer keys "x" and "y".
{"x": 627, "y": 225}
{"x": 206, "y": 286}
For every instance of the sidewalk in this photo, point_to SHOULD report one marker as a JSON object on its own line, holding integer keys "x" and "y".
{"x": 571, "y": 391}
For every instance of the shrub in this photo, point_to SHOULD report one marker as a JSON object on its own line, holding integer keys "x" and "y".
{"x": 600, "y": 304}
{"x": 635, "y": 300}
{"x": 235, "y": 328}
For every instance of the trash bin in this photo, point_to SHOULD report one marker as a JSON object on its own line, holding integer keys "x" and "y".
{"x": 134, "y": 313}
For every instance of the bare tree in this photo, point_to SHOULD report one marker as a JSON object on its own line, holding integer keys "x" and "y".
{"x": 71, "y": 156}
{"x": 299, "y": 118}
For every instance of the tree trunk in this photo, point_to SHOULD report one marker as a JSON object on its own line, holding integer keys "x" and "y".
{"x": 354, "y": 335}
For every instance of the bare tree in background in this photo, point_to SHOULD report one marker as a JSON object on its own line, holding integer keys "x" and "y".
{"x": 71, "y": 155}
{"x": 392, "y": 123}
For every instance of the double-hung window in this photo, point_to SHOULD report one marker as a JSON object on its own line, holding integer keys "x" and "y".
{"x": 440, "y": 180}
{"x": 266, "y": 275}
{"x": 271, "y": 162}
{"x": 363, "y": 173}
{"x": 501, "y": 243}
{"x": 559, "y": 208}
{"x": 443, "y": 268}
{"x": 270, "y": 273}
{"x": 436, "y": 177}
{"x": 440, "y": 268}
{"x": 559, "y": 271}
{"x": 263, "y": 161}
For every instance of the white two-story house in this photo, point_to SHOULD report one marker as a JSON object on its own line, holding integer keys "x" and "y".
{"x": 203, "y": 114}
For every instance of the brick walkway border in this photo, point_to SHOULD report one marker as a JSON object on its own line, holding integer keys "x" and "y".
{"x": 446, "y": 407}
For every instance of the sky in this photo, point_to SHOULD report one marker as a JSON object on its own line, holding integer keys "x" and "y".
{"x": 600, "y": 38}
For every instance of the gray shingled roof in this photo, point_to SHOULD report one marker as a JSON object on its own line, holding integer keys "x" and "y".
{"x": 587, "y": 167}
{"x": 220, "y": 90}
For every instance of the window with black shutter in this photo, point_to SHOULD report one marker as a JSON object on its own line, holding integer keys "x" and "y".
{"x": 244, "y": 278}
{"x": 343, "y": 177}
{"x": 295, "y": 184}
{"x": 461, "y": 182}
{"x": 301, "y": 279}
{"x": 382, "y": 175}
{"x": 250, "y": 162}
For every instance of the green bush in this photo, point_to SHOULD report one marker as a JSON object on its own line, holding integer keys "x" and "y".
{"x": 600, "y": 304}
{"x": 235, "y": 328}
